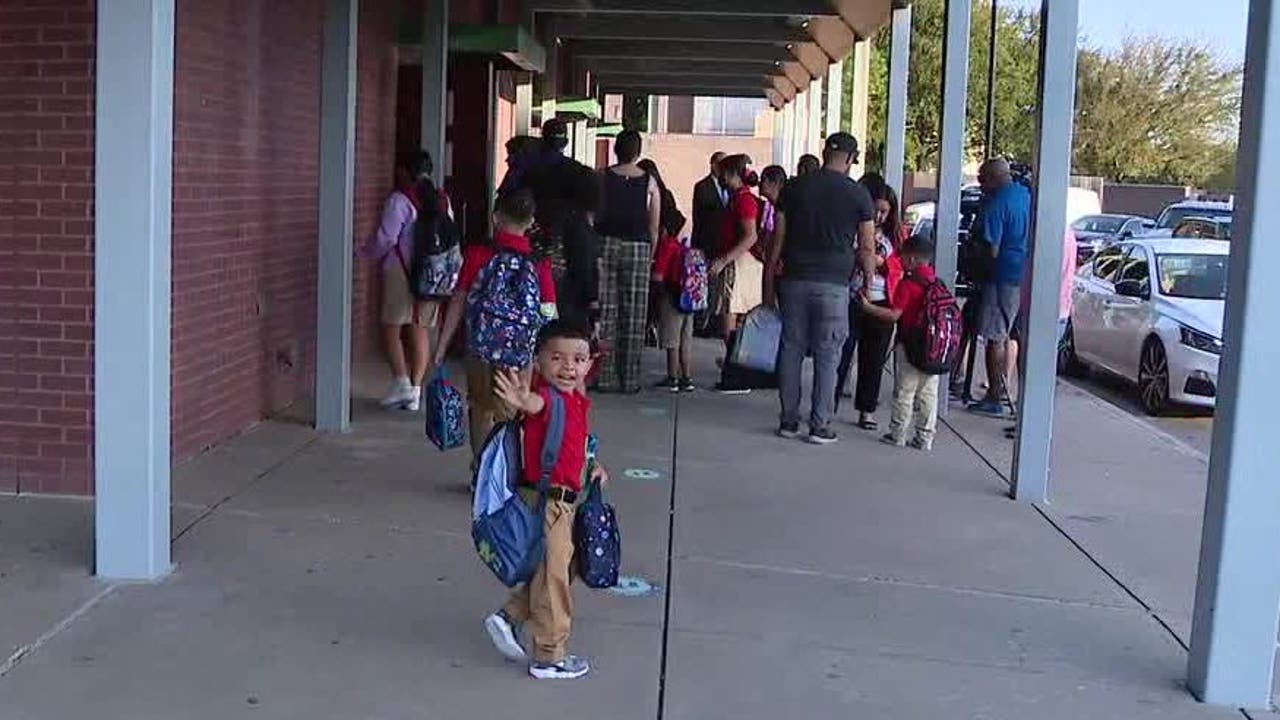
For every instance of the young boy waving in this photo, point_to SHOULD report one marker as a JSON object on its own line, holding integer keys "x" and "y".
{"x": 546, "y": 602}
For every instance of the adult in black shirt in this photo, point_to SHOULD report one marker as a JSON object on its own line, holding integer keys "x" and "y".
{"x": 825, "y": 227}
{"x": 710, "y": 198}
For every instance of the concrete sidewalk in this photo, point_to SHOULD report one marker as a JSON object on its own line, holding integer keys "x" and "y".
{"x": 332, "y": 577}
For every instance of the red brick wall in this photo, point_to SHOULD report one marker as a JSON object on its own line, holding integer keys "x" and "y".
{"x": 375, "y": 152}
{"x": 46, "y": 259}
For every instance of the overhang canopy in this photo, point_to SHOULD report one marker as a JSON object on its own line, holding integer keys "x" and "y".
{"x": 772, "y": 48}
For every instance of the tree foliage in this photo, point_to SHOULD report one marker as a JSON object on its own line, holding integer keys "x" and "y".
{"x": 1154, "y": 110}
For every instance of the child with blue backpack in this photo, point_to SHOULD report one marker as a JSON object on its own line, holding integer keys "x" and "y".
{"x": 545, "y": 603}
{"x": 505, "y": 295}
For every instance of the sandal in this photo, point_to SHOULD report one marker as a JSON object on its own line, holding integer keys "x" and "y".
{"x": 868, "y": 423}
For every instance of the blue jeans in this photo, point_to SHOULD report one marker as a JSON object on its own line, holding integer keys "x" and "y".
{"x": 815, "y": 319}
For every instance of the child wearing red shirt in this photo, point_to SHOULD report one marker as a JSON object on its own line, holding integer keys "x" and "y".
{"x": 512, "y": 218}
{"x": 546, "y": 602}
{"x": 675, "y": 328}
{"x": 914, "y": 392}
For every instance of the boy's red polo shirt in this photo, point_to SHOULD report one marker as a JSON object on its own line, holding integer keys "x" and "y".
{"x": 475, "y": 257}
{"x": 909, "y": 297}
{"x": 573, "y": 453}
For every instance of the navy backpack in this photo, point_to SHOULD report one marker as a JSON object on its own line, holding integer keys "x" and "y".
{"x": 504, "y": 311}
{"x": 507, "y": 533}
{"x": 597, "y": 545}
{"x": 445, "y": 412}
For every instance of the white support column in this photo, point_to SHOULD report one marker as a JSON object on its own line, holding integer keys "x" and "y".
{"x": 524, "y": 107}
{"x": 133, "y": 245}
{"x": 1059, "y": 22}
{"x": 951, "y": 155}
{"x": 779, "y": 137}
{"x": 1233, "y": 635}
{"x": 816, "y": 104}
{"x": 835, "y": 98}
{"x": 895, "y": 154}
{"x": 435, "y": 83}
{"x": 337, "y": 194}
{"x": 800, "y": 144}
{"x": 860, "y": 101}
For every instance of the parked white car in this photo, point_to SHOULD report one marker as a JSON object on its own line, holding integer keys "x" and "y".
{"x": 1150, "y": 311}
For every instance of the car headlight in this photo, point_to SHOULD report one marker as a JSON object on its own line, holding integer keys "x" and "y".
{"x": 1200, "y": 341}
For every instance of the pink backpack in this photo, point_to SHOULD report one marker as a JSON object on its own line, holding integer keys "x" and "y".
{"x": 933, "y": 344}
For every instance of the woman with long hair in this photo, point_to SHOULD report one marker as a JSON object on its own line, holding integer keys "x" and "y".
{"x": 406, "y": 321}
{"x": 629, "y": 222}
{"x": 869, "y": 337}
{"x": 739, "y": 274}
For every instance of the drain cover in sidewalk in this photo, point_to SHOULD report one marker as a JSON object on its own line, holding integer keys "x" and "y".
{"x": 652, "y": 411}
{"x": 632, "y": 586}
{"x": 641, "y": 474}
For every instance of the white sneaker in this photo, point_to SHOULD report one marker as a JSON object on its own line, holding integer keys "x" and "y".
{"x": 414, "y": 402}
{"x": 570, "y": 668}
{"x": 503, "y": 634}
{"x": 400, "y": 393}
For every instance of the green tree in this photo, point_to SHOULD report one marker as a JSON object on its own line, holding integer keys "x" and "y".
{"x": 1157, "y": 110}
{"x": 1016, "y": 62}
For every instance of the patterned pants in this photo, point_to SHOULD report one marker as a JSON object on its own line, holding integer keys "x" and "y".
{"x": 624, "y": 304}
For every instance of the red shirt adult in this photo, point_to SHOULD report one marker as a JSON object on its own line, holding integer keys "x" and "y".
{"x": 743, "y": 207}
{"x": 909, "y": 297}
{"x": 572, "y": 463}
{"x": 475, "y": 257}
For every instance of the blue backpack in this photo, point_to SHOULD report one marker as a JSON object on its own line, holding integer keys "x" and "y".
{"x": 504, "y": 311}
{"x": 507, "y": 533}
{"x": 597, "y": 544}
{"x": 445, "y": 412}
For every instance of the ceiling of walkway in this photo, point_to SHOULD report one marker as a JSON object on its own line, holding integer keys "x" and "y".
{"x": 750, "y": 48}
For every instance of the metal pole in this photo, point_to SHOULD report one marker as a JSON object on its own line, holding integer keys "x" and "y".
{"x": 899, "y": 73}
{"x": 435, "y": 84}
{"x": 133, "y": 195}
{"x": 835, "y": 97}
{"x": 1233, "y": 631}
{"x": 992, "y": 45}
{"x": 1059, "y": 29}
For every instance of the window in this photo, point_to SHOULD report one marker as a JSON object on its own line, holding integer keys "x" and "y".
{"x": 726, "y": 116}
{"x": 1201, "y": 277}
{"x": 1135, "y": 267}
{"x": 1107, "y": 262}
{"x": 1099, "y": 224}
{"x": 1173, "y": 215}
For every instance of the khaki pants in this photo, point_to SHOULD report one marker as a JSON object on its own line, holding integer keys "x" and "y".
{"x": 546, "y": 602}
{"x": 914, "y": 393}
{"x": 484, "y": 408}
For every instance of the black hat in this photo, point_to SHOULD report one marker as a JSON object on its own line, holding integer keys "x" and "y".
{"x": 843, "y": 142}
{"x": 918, "y": 244}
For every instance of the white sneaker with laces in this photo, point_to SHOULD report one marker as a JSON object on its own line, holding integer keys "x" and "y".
{"x": 570, "y": 668}
{"x": 400, "y": 393}
{"x": 414, "y": 403}
{"x": 504, "y": 635}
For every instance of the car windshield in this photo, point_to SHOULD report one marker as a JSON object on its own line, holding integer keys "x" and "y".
{"x": 1199, "y": 277}
{"x": 1172, "y": 216}
{"x": 1099, "y": 224}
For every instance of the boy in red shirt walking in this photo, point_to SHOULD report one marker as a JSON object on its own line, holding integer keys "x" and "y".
{"x": 914, "y": 392}
{"x": 546, "y": 602}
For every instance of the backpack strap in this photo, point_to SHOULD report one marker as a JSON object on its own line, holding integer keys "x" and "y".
{"x": 551, "y": 444}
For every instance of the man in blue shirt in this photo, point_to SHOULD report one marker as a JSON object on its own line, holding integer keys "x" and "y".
{"x": 1003, "y": 223}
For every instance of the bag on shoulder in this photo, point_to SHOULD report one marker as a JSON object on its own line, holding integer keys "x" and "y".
{"x": 504, "y": 311}
{"x": 437, "y": 252}
{"x": 507, "y": 533}
{"x": 933, "y": 343}
{"x": 597, "y": 544}
{"x": 446, "y": 411}
{"x": 693, "y": 281}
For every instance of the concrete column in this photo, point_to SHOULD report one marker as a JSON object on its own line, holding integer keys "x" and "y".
{"x": 816, "y": 105}
{"x": 1233, "y": 635}
{"x": 800, "y": 137}
{"x": 951, "y": 156}
{"x": 133, "y": 241}
{"x": 895, "y": 152}
{"x": 861, "y": 100}
{"x": 835, "y": 98}
{"x": 337, "y": 192}
{"x": 779, "y": 137}
{"x": 1059, "y": 23}
{"x": 524, "y": 107}
{"x": 435, "y": 84}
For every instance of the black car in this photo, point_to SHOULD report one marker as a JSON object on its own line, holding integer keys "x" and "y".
{"x": 1094, "y": 232}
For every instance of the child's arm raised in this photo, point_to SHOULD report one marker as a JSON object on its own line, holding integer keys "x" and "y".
{"x": 515, "y": 392}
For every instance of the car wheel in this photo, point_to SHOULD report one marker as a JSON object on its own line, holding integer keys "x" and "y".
{"x": 1153, "y": 378}
{"x": 1069, "y": 363}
